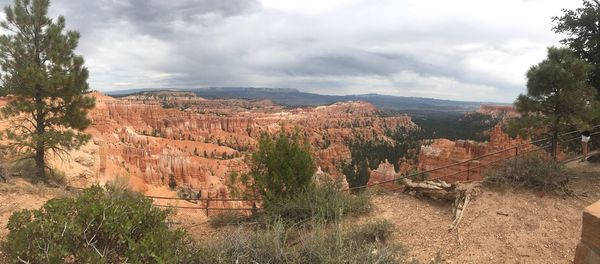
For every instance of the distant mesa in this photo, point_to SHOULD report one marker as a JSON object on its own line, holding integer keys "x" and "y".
{"x": 293, "y": 98}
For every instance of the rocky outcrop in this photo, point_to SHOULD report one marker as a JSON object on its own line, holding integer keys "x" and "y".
{"x": 496, "y": 111}
{"x": 385, "y": 176}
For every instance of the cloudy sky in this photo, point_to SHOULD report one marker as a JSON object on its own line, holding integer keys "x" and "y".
{"x": 459, "y": 49}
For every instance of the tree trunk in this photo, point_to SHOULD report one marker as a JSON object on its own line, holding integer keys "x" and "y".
{"x": 554, "y": 143}
{"x": 40, "y": 129}
{"x": 555, "y": 135}
{"x": 40, "y": 163}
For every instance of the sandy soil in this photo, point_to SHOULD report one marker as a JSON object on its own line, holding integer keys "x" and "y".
{"x": 193, "y": 220}
{"x": 19, "y": 194}
{"x": 498, "y": 227}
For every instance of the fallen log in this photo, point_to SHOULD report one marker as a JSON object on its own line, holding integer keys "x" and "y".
{"x": 459, "y": 194}
{"x": 459, "y": 210}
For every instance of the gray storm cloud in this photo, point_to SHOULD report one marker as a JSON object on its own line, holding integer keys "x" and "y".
{"x": 463, "y": 49}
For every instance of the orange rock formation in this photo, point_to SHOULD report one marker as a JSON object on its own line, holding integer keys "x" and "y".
{"x": 495, "y": 111}
{"x": 199, "y": 142}
{"x": 442, "y": 152}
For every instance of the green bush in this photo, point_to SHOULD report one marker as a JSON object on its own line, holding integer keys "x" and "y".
{"x": 228, "y": 218}
{"x": 57, "y": 177}
{"x": 279, "y": 243}
{"x": 335, "y": 246}
{"x": 25, "y": 168}
{"x": 172, "y": 182}
{"x": 282, "y": 167}
{"x": 281, "y": 170}
{"x": 532, "y": 170}
{"x": 240, "y": 246}
{"x": 325, "y": 202}
{"x": 187, "y": 192}
{"x": 97, "y": 226}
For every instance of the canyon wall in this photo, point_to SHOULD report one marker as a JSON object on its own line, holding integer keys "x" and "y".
{"x": 152, "y": 139}
{"x": 442, "y": 153}
{"x": 451, "y": 161}
{"x": 495, "y": 111}
{"x": 148, "y": 140}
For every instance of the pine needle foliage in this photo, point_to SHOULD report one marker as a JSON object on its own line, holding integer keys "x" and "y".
{"x": 46, "y": 82}
{"x": 558, "y": 97}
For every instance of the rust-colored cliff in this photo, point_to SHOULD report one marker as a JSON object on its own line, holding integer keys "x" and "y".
{"x": 147, "y": 140}
{"x": 442, "y": 153}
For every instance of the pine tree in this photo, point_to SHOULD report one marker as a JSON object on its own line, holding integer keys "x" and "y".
{"x": 558, "y": 97}
{"x": 47, "y": 81}
{"x": 581, "y": 28}
{"x": 282, "y": 167}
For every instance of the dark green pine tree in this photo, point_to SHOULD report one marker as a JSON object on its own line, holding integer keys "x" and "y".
{"x": 46, "y": 80}
{"x": 283, "y": 166}
{"x": 582, "y": 29}
{"x": 558, "y": 97}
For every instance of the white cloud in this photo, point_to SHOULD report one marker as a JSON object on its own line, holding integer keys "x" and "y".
{"x": 461, "y": 49}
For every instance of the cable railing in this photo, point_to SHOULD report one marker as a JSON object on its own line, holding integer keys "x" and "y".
{"x": 469, "y": 170}
{"x": 505, "y": 154}
{"x": 206, "y": 205}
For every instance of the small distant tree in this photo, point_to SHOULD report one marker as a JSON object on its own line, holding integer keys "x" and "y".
{"x": 172, "y": 182}
{"x": 282, "y": 167}
{"x": 582, "y": 28}
{"x": 558, "y": 97}
{"x": 357, "y": 173}
{"x": 48, "y": 82}
{"x": 401, "y": 144}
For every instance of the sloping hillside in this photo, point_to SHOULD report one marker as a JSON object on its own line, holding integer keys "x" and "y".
{"x": 498, "y": 226}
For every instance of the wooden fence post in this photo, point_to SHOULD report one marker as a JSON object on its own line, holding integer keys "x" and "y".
{"x": 207, "y": 204}
{"x": 468, "y": 170}
{"x": 554, "y": 144}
